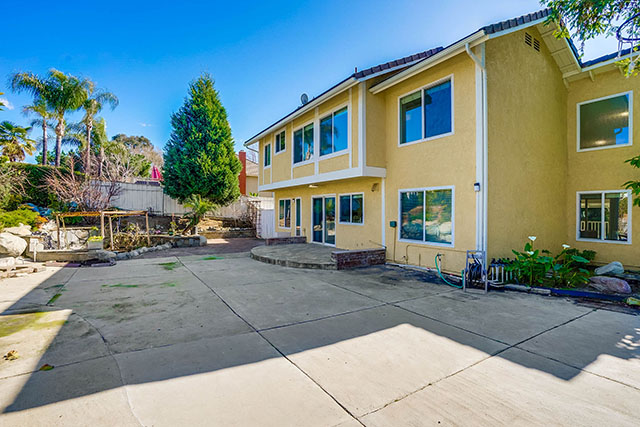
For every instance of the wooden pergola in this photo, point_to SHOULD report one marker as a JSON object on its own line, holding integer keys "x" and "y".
{"x": 102, "y": 214}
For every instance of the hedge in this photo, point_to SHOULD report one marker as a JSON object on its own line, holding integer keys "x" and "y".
{"x": 35, "y": 186}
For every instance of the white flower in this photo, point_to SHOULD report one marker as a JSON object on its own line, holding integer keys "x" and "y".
{"x": 566, "y": 246}
{"x": 532, "y": 238}
{"x": 530, "y": 252}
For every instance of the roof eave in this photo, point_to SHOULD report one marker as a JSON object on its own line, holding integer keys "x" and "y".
{"x": 340, "y": 87}
{"x": 457, "y": 47}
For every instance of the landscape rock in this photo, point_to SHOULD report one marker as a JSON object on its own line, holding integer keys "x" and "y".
{"x": 614, "y": 267}
{"x": 104, "y": 255}
{"x": 122, "y": 255}
{"x": 21, "y": 230}
{"x": 203, "y": 240}
{"x": 12, "y": 245}
{"x": 610, "y": 284}
{"x": 134, "y": 253}
{"x": 7, "y": 261}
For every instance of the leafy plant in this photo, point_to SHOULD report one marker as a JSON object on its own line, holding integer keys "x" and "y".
{"x": 24, "y": 216}
{"x": 199, "y": 157}
{"x": 529, "y": 265}
{"x": 96, "y": 239}
{"x": 14, "y": 141}
{"x": 199, "y": 207}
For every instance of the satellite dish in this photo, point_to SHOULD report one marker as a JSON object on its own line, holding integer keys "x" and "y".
{"x": 304, "y": 98}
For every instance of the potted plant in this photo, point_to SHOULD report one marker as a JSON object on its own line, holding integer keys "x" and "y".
{"x": 95, "y": 243}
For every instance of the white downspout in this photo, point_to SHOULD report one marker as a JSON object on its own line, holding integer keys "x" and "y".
{"x": 483, "y": 175}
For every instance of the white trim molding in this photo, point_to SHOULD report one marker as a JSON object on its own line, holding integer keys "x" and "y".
{"x": 370, "y": 171}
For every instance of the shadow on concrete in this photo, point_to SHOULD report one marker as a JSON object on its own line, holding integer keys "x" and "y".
{"x": 420, "y": 322}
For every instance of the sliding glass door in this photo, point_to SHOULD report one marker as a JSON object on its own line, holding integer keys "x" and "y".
{"x": 324, "y": 219}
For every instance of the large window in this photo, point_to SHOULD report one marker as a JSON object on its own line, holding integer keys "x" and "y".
{"x": 426, "y": 215}
{"x": 605, "y": 122}
{"x": 334, "y": 132}
{"x": 604, "y": 216}
{"x": 267, "y": 155}
{"x": 426, "y": 113}
{"x": 284, "y": 213}
{"x": 303, "y": 144}
{"x": 352, "y": 209}
{"x": 280, "y": 142}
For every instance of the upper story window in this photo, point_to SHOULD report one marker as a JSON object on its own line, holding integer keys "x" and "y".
{"x": 427, "y": 113}
{"x": 267, "y": 155}
{"x": 334, "y": 132}
{"x": 605, "y": 215}
{"x": 303, "y": 144}
{"x": 280, "y": 142}
{"x": 605, "y": 122}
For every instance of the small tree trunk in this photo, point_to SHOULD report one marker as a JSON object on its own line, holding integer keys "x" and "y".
{"x": 59, "y": 133}
{"x": 101, "y": 160}
{"x": 87, "y": 158}
{"x": 44, "y": 141}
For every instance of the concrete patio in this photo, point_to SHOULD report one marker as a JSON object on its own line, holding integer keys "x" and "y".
{"x": 226, "y": 340}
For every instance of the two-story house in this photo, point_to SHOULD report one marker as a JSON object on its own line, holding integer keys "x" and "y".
{"x": 501, "y": 135}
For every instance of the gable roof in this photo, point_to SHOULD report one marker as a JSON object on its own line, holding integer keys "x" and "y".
{"x": 408, "y": 63}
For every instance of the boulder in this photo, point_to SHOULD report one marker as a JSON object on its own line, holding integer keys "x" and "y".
{"x": 104, "y": 255}
{"x": 122, "y": 255}
{"x": 134, "y": 253}
{"x": 21, "y": 230}
{"x": 11, "y": 245}
{"x": 610, "y": 284}
{"x": 7, "y": 261}
{"x": 613, "y": 268}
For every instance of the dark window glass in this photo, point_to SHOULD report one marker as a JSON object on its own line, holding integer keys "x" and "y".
{"x": 308, "y": 142}
{"x": 326, "y": 144}
{"x": 298, "y": 146}
{"x": 412, "y": 215}
{"x": 438, "y": 222}
{"x": 330, "y": 220}
{"x": 284, "y": 213}
{"x": 267, "y": 155}
{"x": 340, "y": 130}
{"x": 605, "y": 122}
{"x": 411, "y": 118}
{"x": 298, "y": 216}
{"x": 616, "y": 216}
{"x": 345, "y": 208}
{"x": 317, "y": 219}
{"x": 280, "y": 143}
{"x": 357, "y": 209}
{"x": 437, "y": 110}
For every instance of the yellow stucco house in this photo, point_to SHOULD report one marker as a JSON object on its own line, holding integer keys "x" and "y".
{"x": 501, "y": 135}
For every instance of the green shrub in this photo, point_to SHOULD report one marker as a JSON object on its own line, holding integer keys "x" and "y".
{"x": 35, "y": 186}
{"x": 24, "y": 216}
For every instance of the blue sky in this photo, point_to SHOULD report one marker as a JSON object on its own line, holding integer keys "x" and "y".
{"x": 263, "y": 55}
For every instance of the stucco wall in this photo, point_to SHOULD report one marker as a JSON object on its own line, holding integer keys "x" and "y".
{"x": 602, "y": 169}
{"x": 348, "y": 236}
{"x": 527, "y": 134}
{"x": 444, "y": 161}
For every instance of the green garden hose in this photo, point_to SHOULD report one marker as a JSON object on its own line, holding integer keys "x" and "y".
{"x": 442, "y": 277}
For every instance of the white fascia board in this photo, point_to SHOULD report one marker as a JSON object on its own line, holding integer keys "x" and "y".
{"x": 325, "y": 177}
{"x": 456, "y": 48}
{"x": 307, "y": 107}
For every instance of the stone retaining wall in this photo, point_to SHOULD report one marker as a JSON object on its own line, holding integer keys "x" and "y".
{"x": 285, "y": 240}
{"x": 359, "y": 258}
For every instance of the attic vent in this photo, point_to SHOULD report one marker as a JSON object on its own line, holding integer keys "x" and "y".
{"x": 530, "y": 41}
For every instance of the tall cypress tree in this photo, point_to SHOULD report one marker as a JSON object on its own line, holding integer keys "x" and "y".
{"x": 199, "y": 157}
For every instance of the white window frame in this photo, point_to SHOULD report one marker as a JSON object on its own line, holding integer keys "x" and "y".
{"x": 275, "y": 141}
{"x": 322, "y": 196}
{"x": 453, "y": 216}
{"x": 313, "y": 157}
{"x": 601, "y": 240}
{"x": 298, "y": 202}
{"x": 268, "y": 144}
{"x": 421, "y": 90}
{"x": 290, "y": 216}
{"x": 331, "y": 113}
{"x": 578, "y": 105}
{"x": 339, "y": 203}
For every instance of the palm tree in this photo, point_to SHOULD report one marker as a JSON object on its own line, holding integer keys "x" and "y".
{"x": 92, "y": 106}
{"x": 1, "y": 103}
{"x": 39, "y": 108}
{"x": 62, "y": 93}
{"x": 14, "y": 141}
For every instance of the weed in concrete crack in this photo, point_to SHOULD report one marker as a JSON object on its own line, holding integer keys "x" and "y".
{"x": 54, "y": 298}
{"x": 209, "y": 258}
{"x": 169, "y": 265}
{"x": 119, "y": 285}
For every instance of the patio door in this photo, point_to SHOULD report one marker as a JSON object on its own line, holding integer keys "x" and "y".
{"x": 323, "y": 217}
